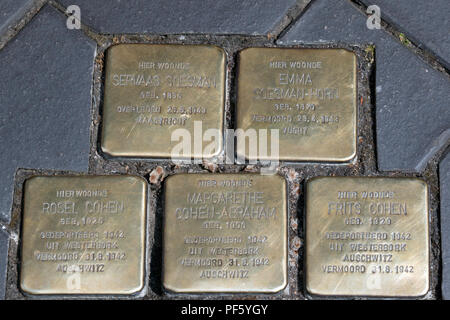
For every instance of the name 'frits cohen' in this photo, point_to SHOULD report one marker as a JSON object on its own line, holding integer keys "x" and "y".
{"x": 374, "y": 208}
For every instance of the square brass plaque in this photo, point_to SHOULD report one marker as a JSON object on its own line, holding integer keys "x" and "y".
{"x": 308, "y": 95}
{"x": 83, "y": 235}
{"x": 367, "y": 237}
{"x": 225, "y": 233}
{"x": 152, "y": 90}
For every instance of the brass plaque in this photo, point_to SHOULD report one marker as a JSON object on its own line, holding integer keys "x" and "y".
{"x": 308, "y": 95}
{"x": 225, "y": 233}
{"x": 153, "y": 90}
{"x": 83, "y": 235}
{"x": 367, "y": 237}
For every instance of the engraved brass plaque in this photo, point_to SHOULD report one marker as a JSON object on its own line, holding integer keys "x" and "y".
{"x": 83, "y": 235}
{"x": 225, "y": 233}
{"x": 367, "y": 236}
{"x": 153, "y": 90}
{"x": 308, "y": 95}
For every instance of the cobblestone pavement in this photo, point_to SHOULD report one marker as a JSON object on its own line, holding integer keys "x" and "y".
{"x": 51, "y": 95}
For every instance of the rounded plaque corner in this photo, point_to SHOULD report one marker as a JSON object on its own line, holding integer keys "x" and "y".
{"x": 114, "y": 46}
{"x": 346, "y": 50}
{"x": 280, "y": 178}
{"x": 349, "y": 157}
{"x": 219, "y": 49}
{"x": 316, "y": 179}
{"x": 167, "y": 288}
{"x": 425, "y": 289}
{"x": 173, "y": 176}
{"x": 30, "y": 180}
{"x": 246, "y": 50}
{"x": 140, "y": 179}
{"x": 420, "y": 181}
{"x": 311, "y": 291}
{"x": 107, "y": 150}
{"x": 422, "y": 291}
{"x": 213, "y": 155}
{"x": 136, "y": 289}
{"x": 27, "y": 290}
{"x": 281, "y": 287}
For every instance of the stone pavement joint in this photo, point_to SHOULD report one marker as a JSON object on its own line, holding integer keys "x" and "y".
{"x": 20, "y": 19}
{"x": 289, "y": 18}
{"x": 404, "y": 84}
{"x": 98, "y": 38}
{"x": 12, "y": 11}
{"x": 425, "y": 23}
{"x": 45, "y": 111}
{"x": 425, "y": 53}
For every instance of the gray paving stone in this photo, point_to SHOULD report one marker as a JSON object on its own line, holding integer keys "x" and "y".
{"x": 182, "y": 16}
{"x": 4, "y": 241}
{"x": 11, "y": 11}
{"x": 412, "y": 99}
{"x": 424, "y": 22}
{"x": 45, "y": 98}
{"x": 444, "y": 179}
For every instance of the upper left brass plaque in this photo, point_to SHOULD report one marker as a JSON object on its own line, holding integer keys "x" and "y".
{"x": 152, "y": 90}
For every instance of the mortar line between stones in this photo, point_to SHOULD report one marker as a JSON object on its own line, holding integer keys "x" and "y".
{"x": 91, "y": 34}
{"x": 440, "y": 144}
{"x": 16, "y": 16}
{"x": 5, "y": 227}
{"x": 103, "y": 39}
{"x": 293, "y": 14}
{"x": 12, "y": 31}
{"x": 423, "y": 52}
